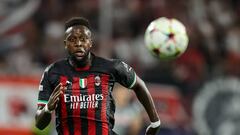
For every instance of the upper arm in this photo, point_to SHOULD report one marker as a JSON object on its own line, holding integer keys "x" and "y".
{"x": 125, "y": 75}
{"x": 140, "y": 84}
{"x": 44, "y": 89}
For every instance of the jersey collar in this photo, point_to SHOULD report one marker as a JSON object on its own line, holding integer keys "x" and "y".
{"x": 87, "y": 67}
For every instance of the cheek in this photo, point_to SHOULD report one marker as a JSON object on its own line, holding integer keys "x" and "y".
{"x": 89, "y": 43}
{"x": 70, "y": 48}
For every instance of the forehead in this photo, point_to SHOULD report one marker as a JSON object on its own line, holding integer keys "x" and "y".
{"x": 78, "y": 30}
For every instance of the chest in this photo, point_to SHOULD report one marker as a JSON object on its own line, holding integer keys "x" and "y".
{"x": 86, "y": 82}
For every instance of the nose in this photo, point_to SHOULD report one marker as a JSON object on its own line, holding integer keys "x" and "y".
{"x": 78, "y": 43}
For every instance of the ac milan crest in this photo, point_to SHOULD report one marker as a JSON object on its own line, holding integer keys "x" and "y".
{"x": 97, "y": 80}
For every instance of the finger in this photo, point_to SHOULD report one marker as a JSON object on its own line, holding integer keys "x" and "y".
{"x": 57, "y": 88}
{"x": 56, "y": 102}
{"x": 63, "y": 88}
{"x": 54, "y": 95}
{"x": 57, "y": 95}
{"x": 56, "y": 91}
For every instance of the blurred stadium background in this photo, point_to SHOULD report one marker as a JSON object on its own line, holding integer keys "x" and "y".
{"x": 196, "y": 94}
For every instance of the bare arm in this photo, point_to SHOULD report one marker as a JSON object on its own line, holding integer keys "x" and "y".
{"x": 42, "y": 118}
{"x": 43, "y": 115}
{"x": 146, "y": 100}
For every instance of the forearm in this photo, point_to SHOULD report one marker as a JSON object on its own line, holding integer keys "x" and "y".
{"x": 42, "y": 118}
{"x": 146, "y": 100}
{"x": 43, "y": 115}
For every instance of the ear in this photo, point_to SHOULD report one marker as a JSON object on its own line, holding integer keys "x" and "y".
{"x": 65, "y": 45}
{"x": 91, "y": 44}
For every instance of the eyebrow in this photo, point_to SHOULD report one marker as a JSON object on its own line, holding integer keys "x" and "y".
{"x": 77, "y": 36}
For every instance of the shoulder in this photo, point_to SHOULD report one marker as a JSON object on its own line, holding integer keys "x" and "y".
{"x": 106, "y": 61}
{"x": 106, "y": 64}
{"x": 57, "y": 65}
{"x": 115, "y": 65}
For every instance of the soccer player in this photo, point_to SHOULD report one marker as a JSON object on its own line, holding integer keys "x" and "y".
{"x": 79, "y": 88}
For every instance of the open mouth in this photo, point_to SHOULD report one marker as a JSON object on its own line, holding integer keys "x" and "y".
{"x": 79, "y": 54}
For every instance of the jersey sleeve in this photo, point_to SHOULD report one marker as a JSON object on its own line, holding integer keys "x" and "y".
{"x": 125, "y": 75}
{"x": 44, "y": 88}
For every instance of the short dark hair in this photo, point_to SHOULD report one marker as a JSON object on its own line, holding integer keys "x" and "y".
{"x": 77, "y": 21}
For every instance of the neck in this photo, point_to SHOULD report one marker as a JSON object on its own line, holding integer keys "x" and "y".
{"x": 86, "y": 61}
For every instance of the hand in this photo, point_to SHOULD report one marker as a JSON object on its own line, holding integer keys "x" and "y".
{"x": 152, "y": 131}
{"x": 54, "y": 98}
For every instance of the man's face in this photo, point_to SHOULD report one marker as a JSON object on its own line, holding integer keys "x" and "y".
{"x": 78, "y": 41}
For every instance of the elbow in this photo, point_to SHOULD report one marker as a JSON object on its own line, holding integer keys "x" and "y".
{"x": 39, "y": 126}
{"x": 39, "y": 123}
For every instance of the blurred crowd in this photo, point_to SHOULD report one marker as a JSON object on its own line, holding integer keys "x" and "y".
{"x": 32, "y": 31}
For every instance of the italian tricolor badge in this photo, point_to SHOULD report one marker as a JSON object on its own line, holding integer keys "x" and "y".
{"x": 83, "y": 83}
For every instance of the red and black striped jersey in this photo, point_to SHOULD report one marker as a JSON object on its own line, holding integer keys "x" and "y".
{"x": 87, "y": 106}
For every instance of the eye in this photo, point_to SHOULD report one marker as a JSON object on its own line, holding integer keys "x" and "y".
{"x": 82, "y": 39}
{"x": 72, "y": 39}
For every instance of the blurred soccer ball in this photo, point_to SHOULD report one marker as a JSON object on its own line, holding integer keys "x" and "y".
{"x": 166, "y": 38}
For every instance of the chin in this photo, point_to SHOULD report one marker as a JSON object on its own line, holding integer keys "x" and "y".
{"x": 80, "y": 58}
